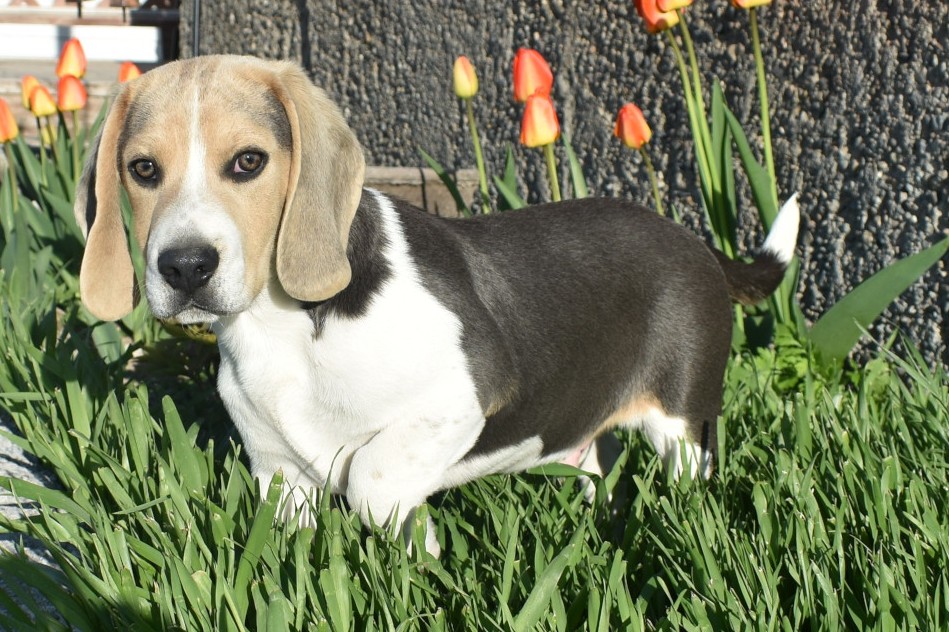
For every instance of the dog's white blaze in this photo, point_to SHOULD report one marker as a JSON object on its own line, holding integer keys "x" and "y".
{"x": 195, "y": 216}
{"x": 377, "y": 407}
{"x": 195, "y": 183}
{"x": 782, "y": 238}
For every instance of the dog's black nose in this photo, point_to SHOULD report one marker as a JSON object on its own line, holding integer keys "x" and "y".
{"x": 188, "y": 269}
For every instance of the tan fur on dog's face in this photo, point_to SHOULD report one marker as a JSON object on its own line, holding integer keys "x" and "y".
{"x": 181, "y": 139}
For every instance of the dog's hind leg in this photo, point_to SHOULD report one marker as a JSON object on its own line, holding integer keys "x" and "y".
{"x": 681, "y": 452}
{"x": 599, "y": 460}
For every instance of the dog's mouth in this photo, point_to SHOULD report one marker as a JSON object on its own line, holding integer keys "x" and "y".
{"x": 185, "y": 309}
{"x": 190, "y": 313}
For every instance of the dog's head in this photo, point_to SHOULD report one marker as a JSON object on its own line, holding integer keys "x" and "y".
{"x": 236, "y": 170}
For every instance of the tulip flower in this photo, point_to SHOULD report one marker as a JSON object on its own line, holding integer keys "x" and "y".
{"x": 26, "y": 89}
{"x": 749, "y": 4}
{"x": 656, "y": 19}
{"x": 540, "y": 128}
{"x": 466, "y": 81}
{"x": 532, "y": 75}
{"x": 41, "y": 102}
{"x": 71, "y": 94}
{"x": 128, "y": 71}
{"x": 8, "y": 127}
{"x": 72, "y": 98}
{"x": 43, "y": 106}
{"x": 631, "y": 127}
{"x": 72, "y": 60}
{"x": 674, "y": 5}
{"x": 9, "y": 131}
{"x": 540, "y": 125}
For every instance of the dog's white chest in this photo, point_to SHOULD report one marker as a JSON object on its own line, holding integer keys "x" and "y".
{"x": 307, "y": 400}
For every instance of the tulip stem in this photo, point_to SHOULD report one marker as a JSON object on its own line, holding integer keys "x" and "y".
{"x": 652, "y": 180}
{"x": 783, "y": 299}
{"x": 51, "y": 131}
{"x": 552, "y": 171}
{"x": 75, "y": 146}
{"x": 12, "y": 177}
{"x": 702, "y": 158}
{"x": 479, "y": 159}
{"x": 763, "y": 99}
{"x": 39, "y": 128}
{"x": 697, "y": 86}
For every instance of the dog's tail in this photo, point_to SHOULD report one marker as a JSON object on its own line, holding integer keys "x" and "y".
{"x": 750, "y": 283}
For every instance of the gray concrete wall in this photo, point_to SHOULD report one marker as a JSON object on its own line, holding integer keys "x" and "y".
{"x": 859, "y": 91}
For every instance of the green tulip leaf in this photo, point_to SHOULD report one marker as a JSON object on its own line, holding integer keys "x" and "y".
{"x": 510, "y": 199}
{"x": 448, "y": 181}
{"x": 836, "y": 333}
{"x": 758, "y": 176}
{"x": 580, "y": 189}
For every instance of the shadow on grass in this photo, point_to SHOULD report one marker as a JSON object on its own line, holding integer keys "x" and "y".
{"x": 185, "y": 369}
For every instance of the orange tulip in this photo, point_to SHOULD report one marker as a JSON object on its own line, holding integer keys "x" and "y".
{"x": 26, "y": 89}
{"x": 8, "y": 126}
{"x": 72, "y": 60}
{"x": 749, "y": 4}
{"x": 631, "y": 127}
{"x": 72, "y": 94}
{"x": 540, "y": 125}
{"x": 672, "y": 5}
{"x": 41, "y": 102}
{"x": 656, "y": 19}
{"x": 532, "y": 75}
{"x": 128, "y": 71}
{"x": 466, "y": 81}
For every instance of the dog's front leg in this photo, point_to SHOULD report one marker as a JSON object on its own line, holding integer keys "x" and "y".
{"x": 395, "y": 472}
{"x": 386, "y": 485}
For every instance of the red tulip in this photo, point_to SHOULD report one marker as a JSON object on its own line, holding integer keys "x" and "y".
{"x": 672, "y": 5}
{"x": 532, "y": 75}
{"x": 72, "y": 60}
{"x": 540, "y": 125}
{"x": 128, "y": 71}
{"x": 656, "y": 19}
{"x": 8, "y": 126}
{"x": 71, "y": 93}
{"x": 631, "y": 127}
{"x": 41, "y": 102}
{"x": 749, "y": 4}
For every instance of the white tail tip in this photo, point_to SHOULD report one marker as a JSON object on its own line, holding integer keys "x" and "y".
{"x": 782, "y": 239}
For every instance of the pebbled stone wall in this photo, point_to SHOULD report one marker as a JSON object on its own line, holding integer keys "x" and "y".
{"x": 859, "y": 94}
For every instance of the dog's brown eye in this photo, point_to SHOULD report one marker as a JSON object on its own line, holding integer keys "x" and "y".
{"x": 144, "y": 170}
{"x": 248, "y": 162}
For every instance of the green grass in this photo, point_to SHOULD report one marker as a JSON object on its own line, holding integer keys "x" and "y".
{"x": 829, "y": 511}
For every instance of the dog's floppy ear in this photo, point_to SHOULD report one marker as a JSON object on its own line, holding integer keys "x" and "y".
{"x": 106, "y": 278}
{"x": 325, "y": 184}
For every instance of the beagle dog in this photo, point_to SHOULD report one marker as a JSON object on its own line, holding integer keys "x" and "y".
{"x": 383, "y": 353}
